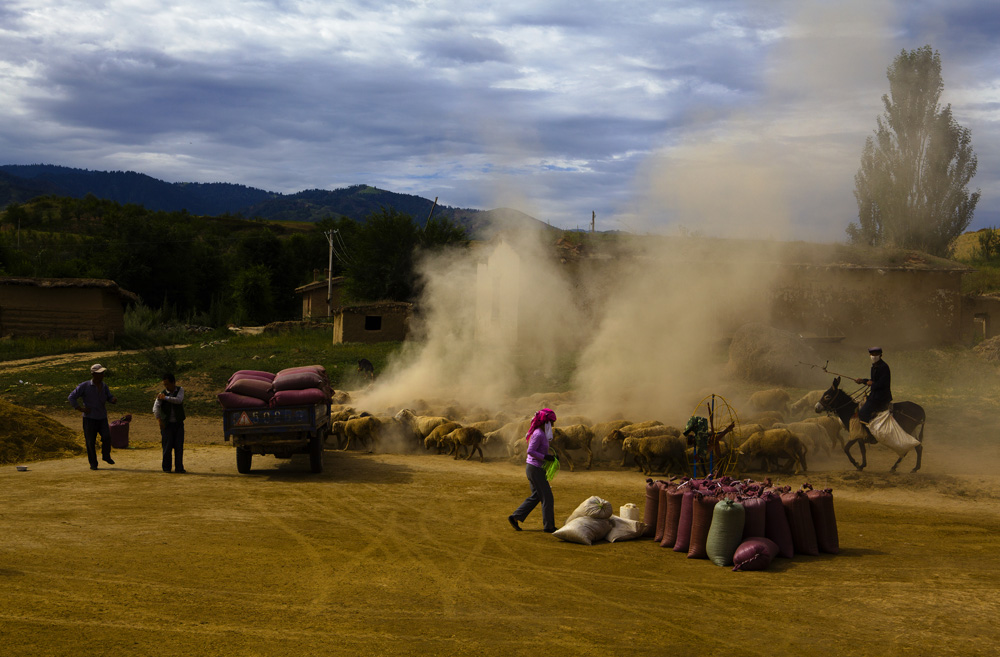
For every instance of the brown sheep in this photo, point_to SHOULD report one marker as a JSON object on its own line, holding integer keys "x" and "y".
{"x": 364, "y": 430}
{"x": 774, "y": 399}
{"x": 466, "y": 437}
{"x": 774, "y": 444}
{"x": 436, "y": 437}
{"x": 666, "y": 451}
{"x": 576, "y": 436}
{"x": 618, "y": 436}
{"x": 766, "y": 418}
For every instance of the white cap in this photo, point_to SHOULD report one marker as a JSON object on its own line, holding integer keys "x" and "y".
{"x": 97, "y": 368}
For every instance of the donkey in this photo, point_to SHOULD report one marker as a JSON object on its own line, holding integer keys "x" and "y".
{"x": 909, "y": 415}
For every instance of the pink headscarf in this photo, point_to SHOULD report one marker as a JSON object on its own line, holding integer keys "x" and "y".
{"x": 537, "y": 422}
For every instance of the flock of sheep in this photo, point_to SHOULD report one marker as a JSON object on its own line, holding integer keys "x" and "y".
{"x": 776, "y": 435}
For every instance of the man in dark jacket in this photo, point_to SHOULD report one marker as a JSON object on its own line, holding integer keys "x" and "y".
{"x": 881, "y": 387}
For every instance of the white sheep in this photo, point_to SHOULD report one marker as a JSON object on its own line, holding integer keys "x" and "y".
{"x": 774, "y": 399}
{"x": 577, "y": 436}
{"x": 667, "y": 451}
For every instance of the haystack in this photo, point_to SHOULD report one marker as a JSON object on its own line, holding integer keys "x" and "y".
{"x": 27, "y": 435}
{"x": 989, "y": 350}
{"x": 764, "y": 354}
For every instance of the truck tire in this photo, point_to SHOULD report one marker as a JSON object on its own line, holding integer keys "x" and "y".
{"x": 316, "y": 452}
{"x": 244, "y": 457}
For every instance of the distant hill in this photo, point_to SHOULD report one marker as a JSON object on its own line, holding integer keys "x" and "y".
{"x": 138, "y": 188}
{"x": 19, "y": 183}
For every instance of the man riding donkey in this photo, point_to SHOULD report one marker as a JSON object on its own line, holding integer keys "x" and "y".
{"x": 899, "y": 426}
{"x": 880, "y": 384}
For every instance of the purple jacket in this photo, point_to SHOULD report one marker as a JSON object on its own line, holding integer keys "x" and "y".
{"x": 538, "y": 448}
{"x": 94, "y": 399}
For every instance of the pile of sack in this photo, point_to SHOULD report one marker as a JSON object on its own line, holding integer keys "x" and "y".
{"x": 740, "y": 523}
{"x": 294, "y": 386}
{"x": 594, "y": 520}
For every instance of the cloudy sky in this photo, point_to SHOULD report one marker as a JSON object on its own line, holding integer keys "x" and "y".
{"x": 720, "y": 116}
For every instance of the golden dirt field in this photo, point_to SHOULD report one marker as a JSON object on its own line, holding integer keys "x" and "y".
{"x": 392, "y": 554}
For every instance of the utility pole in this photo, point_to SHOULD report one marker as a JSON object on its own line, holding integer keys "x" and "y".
{"x": 329, "y": 274}
{"x": 593, "y": 216}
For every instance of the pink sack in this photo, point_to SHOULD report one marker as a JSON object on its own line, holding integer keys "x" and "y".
{"x": 299, "y": 381}
{"x": 754, "y": 517}
{"x": 299, "y": 397}
{"x": 233, "y": 400}
{"x": 776, "y": 525}
{"x": 251, "y": 374}
{"x": 319, "y": 369}
{"x": 683, "y": 541}
{"x": 755, "y": 553}
{"x": 251, "y": 388}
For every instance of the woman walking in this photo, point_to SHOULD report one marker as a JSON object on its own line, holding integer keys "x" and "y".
{"x": 539, "y": 436}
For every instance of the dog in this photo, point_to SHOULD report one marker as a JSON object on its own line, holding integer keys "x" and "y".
{"x": 366, "y": 368}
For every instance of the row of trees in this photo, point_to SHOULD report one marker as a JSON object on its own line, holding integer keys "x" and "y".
{"x": 213, "y": 270}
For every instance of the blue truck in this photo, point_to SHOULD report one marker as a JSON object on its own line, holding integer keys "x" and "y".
{"x": 283, "y": 431}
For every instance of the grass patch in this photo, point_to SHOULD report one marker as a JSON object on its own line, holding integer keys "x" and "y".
{"x": 32, "y": 347}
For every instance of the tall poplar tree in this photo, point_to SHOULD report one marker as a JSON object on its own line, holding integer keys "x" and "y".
{"x": 912, "y": 186}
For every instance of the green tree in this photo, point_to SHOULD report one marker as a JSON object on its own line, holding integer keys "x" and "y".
{"x": 253, "y": 296}
{"x": 911, "y": 188}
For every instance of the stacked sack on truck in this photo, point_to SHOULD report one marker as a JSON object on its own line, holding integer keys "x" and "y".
{"x": 740, "y": 523}
{"x": 294, "y": 386}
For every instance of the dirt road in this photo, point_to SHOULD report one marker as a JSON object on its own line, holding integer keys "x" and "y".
{"x": 412, "y": 555}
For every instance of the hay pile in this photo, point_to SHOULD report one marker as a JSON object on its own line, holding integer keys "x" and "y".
{"x": 27, "y": 435}
{"x": 764, "y": 354}
{"x": 989, "y": 350}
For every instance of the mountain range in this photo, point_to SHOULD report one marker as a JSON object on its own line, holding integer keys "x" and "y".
{"x": 22, "y": 182}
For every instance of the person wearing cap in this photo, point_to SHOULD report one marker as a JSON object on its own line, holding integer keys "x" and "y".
{"x": 880, "y": 393}
{"x": 95, "y": 394}
{"x": 539, "y": 436}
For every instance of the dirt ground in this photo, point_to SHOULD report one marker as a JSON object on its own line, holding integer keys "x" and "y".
{"x": 411, "y": 554}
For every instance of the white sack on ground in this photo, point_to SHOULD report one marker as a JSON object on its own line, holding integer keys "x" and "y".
{"x": 623, "y": 529}
{"x": 584, "y": 530}
{"x": 593, "y": 507}
{"x": 887, "y": 431}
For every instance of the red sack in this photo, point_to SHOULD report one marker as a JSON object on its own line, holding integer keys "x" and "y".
{"x": 251, "y": 374}
{"x": 800, "y": 522}
{"x": 661, "y": 509}
{"x": 703, "y": 507}
{"x": 753, "y": 517}
{"x": 671, "y": 519}
{"x": 755, "y": 553}
{"x": 824, "y": 520}
{"x": 649, "y": 512}
{"x": 299, "y": 381}
{"x": 776, "y": 525}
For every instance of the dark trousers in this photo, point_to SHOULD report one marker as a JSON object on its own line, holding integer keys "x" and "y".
{"x": 172, "y": 439}
{"x": 872, "y": 407}
{"x": 91, "y": 428}
{"x": 540, "y": 492}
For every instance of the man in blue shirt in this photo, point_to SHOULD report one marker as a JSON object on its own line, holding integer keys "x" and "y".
{"x": 95, "y": 394}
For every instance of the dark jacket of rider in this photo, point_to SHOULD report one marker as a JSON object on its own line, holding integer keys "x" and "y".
{"x": 881, "y": 391}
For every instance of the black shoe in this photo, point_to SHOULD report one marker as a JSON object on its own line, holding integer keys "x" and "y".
{"x": 166, "y": 469}
{"x": 181, "y": 471}
{"x": 108, "y": 461}
{"x": 93, "y": 467}
{"x": 513, "y": 523}
{"x": 549, "y": 531}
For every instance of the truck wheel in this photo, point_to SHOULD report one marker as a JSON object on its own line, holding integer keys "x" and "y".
{"x": 316, "y": 452}
{"x": 244, "y": 457}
